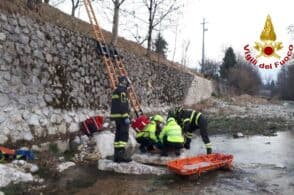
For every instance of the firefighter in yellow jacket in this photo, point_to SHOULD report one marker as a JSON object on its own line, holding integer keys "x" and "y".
{"x": 148, "y": 138}
{"x": 171, "y": 137}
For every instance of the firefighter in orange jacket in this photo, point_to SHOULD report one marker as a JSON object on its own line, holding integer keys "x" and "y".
{"x": 190, "y": 121}
{"x": 120, "y": 114}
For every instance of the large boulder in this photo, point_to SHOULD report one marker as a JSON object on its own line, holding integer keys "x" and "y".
{"x": 155, "y": 159}
{"x": 10, "y": 174}
{"x": 132, "y": 167}
{"x": 104, "y": 143}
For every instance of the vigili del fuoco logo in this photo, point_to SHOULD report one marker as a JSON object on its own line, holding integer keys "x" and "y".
{"x": 267, "y": 52}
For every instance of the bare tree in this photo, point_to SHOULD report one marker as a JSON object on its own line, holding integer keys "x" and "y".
{"x": 75, "y": 4}
{"x": 158, "y": 10}
{"x": 115, "y": 22}
{"x": 185, "y": 45}
{"x": 210, "y": 68}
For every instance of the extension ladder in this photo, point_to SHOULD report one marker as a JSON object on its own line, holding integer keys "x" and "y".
{"x": 110, "y": 56}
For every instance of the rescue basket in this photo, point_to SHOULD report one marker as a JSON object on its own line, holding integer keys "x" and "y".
{"x": 200, "y": 164}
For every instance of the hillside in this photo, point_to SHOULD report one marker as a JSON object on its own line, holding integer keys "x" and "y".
{"x": 47, "y": 13}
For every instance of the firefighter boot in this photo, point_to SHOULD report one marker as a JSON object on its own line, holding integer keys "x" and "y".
{"x": 121, "y": 156}
{"x": 116, "y": 155}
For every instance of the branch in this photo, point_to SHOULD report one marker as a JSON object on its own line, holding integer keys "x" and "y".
{"x": 170, "y": 9}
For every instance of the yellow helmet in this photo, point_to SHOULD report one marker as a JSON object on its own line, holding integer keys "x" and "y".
{"x": 157, "y": 118}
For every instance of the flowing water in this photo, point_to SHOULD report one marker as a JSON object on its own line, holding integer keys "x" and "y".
{"x": 262, "y": 165}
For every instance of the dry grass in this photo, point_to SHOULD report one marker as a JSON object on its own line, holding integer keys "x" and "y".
{"x": 47, "y": 13}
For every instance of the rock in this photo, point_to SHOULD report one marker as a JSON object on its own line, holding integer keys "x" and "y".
{"x": 22, "y": 22}
{"x": 48, "y": 98}
{"x": 38, "y": 54}
{"x": 4, "y": 100}
{"x": 34, "y": 168}
{"x": 33, "y": 120}
{"x": 3, "y": 139}
{"x": 104, "y": 143}
{"x": 26, "y": 115}
{"x": 28, "y": 136}
{"x": 92, "y": 156}
{"x": 52, "y": 130}
{"x": 84, "y": 139}
{"x": 7, "y": 76}
{"x": 24, "y": 39}
{"x": 155, "y": 159}
{"x": 36, "y": 148}
{"x": 3, "y": 17}
{"x": 106, "y": 125}
{"x": 77, "y": 140}
{"x": 62, "y": 145}
{"x": 39, "y": 131}
{"x": 131, "y": 147}
{"x": 5, "y": 131}
{"x": 67, "y": 119}
{"x": 40, "y": 35}
{"x": 45, "y": 146}
{"x": 238, "y": 135}
{"x": 46, "y": 111}
{"x": 48, "y": 58}
{"x": 279, "y": 165}
{"x": 131, "y": 168}
{"x": 63, "y": 166}
{"x": 62, "y": 128}
{"x": 55, "y": 119}
{"x": 74, "y": 127}
{"x": 12, "y": 175}
{"x": 43, "y": 122}
{"x": 2, "y": 37}
{"x": 2, "y": 118}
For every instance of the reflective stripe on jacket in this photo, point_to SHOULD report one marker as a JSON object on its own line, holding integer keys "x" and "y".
{"x": 119, "y": 103}
{"x": 149, "y": 131}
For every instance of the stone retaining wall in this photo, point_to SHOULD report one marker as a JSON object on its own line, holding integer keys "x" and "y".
{"x": 51, "y": 79}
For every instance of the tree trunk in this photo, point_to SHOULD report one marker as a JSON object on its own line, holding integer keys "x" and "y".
{"x": 150, "y": 28}
{"x": 74, "y": 6}
{"x": 115, "y": 22}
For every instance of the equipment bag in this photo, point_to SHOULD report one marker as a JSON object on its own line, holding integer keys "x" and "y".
{"x": 92, "y": 125}
{"x": 139, "y": 123}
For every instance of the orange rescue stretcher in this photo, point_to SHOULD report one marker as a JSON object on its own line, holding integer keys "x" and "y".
{"x": 200, "y": 164}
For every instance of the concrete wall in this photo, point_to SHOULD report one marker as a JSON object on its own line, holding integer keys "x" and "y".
{"x": 199, "y": 90}
{"x": 51, "y": 79}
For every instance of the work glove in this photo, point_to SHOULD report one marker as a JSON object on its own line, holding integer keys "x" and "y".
{"x": 127, "y": 121}
{"x": 208, "y": 150}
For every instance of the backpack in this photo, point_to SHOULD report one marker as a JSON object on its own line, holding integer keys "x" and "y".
{"x": 92, "y": 125}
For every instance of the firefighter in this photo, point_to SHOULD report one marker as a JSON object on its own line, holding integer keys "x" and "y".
{"x": 120, "y": 114}
{"x": 171, "y": 137}
{"x": 190, "y": 121}
{"x": 148, "y": 138}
